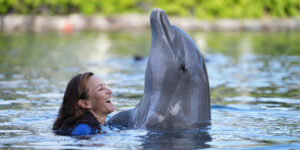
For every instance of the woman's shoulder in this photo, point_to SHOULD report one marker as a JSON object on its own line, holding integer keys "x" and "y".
{"x": 83, "y": 129}
{"x": 84, "y": 125}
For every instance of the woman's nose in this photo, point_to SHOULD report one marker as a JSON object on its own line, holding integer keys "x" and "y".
{"x": 109, "y": 91}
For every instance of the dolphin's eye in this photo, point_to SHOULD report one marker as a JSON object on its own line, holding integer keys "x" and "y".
{"x": 183, "y": 68}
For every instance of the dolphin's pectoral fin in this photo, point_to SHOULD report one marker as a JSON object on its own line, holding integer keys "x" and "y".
{"x": 121, "y": 119}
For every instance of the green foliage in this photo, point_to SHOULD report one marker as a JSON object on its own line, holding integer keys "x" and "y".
{"x": 198, "y": 8}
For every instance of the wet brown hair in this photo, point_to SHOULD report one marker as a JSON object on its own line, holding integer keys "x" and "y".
{"x": 70, "y": 112}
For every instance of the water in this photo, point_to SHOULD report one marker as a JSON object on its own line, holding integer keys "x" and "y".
{"x": 254, "y": 78}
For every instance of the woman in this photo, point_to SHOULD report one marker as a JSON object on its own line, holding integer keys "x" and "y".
{"x": 85, "y": 105}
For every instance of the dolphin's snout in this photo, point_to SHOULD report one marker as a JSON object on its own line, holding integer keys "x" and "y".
{"x": 160, "y": 19}
{"x": 161, "y": 28}
{"x": 155, "y": 13}
{"x": 155, "y": 18}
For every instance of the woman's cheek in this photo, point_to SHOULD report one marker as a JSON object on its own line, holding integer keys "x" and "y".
{"x": 100, "y": 94}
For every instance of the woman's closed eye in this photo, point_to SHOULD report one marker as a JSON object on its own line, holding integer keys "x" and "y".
{"x": 100, "y": 86}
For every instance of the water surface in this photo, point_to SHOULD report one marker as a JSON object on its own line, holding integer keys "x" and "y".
{"x": 254, "y": 79}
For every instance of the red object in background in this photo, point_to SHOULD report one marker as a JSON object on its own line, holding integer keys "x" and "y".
{"x": 68, "y": 28}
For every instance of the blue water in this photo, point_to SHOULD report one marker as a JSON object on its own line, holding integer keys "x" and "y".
{"x": 254, "y": 79}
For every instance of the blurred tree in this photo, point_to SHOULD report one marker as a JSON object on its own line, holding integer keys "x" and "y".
{"x": 198, "y": 8}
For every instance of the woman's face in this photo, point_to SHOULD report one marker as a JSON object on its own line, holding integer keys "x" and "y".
{"x": 99, "y": 96}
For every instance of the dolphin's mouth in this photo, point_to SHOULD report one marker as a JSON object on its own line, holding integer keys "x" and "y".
{"x": 164, "y": 26}
{"x": 160, "y": 21}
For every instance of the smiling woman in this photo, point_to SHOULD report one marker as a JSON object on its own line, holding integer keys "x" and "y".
{"x": 85, "y": 105}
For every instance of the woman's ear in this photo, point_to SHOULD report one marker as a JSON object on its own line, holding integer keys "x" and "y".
{"x": 84, "y": 104}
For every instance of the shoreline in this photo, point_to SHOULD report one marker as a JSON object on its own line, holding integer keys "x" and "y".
{"x": 78, "y": 22}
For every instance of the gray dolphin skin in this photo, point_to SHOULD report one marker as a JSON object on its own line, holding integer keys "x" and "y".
{"x": 177, "y": 90}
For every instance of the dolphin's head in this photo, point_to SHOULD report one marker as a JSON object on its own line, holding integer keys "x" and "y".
{"x": 174, "y": 56}
{"x": 176, "y": 83}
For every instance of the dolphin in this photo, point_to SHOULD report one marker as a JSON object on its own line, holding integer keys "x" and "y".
{"x": 177, "y": 90}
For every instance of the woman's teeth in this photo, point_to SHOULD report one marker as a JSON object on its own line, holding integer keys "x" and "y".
{"x": 107, "y": 101}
